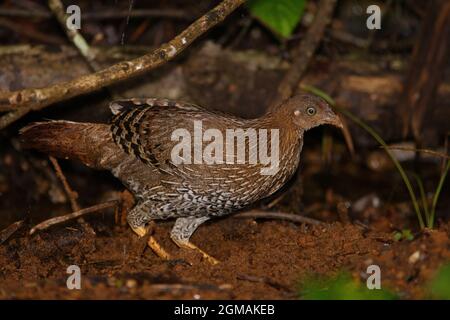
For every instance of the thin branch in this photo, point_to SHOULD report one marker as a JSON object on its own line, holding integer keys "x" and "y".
{"x": 36, "y": 99}
{"x": 6, "y": 233}
{"x": 57, "y": 220}
{"x": 70, "y": 193}
{"x": 137, "y": 13}
{"x": 426, "y": 151}
{"x": 258, "y": 214}
{"x": 73, "y": 195}
{"x": 304, "y": 52}
{"x": 19, "y": 13}
{"x": 101, "y": 15}
{"x": 264, "y": 280}
{"x": 74, "y": 36}
{"x": 12, "y": 116}
{"x": 181, "y": 286}
{"x": 29, "y": 32}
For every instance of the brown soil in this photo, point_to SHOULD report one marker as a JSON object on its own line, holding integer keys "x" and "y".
{"x": 259, "y": 260}
{"x": 262, "y": 259}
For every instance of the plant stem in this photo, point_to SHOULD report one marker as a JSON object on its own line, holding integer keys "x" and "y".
{"x": 424, "y": 199}
{"x": 437, "y": 193}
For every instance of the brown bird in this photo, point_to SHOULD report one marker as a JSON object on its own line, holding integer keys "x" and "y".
{"x": 181, "y": 161}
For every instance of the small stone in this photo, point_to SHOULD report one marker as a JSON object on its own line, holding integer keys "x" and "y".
{"x": 414, "y": 257}
{"x": 131, "y": 283}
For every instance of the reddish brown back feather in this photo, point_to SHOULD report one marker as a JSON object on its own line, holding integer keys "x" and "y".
{"x": 87, "y": 142}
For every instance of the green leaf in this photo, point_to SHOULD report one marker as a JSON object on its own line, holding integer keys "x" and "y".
{"x": 407, "y": 235}
{"x": 281, "y": 16}
{"x": 397, "y": 236}
{"x": 340, "y": 287}
{"x": 440, "y": 286}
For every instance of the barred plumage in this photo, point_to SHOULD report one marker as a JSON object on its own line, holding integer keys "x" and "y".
{"x": 137, "y": 148}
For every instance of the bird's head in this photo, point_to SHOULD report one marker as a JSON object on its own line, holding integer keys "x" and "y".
{"x": 308, "y": 111}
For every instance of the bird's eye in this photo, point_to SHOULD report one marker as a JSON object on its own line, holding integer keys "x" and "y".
{"x": 311, "y": 111}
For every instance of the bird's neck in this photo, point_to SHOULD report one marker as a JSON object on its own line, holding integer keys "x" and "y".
{"x": 290, "y": 143}
{"x": 289, "y": 133}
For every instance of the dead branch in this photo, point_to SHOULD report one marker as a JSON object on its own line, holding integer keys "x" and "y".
{"x": 181, "y": 287}
{"x": 19, "y": 103}
{"x": 101, "y": 15}
{"x": 57, "y": 220}
{"x": 89, "y": 54}
{"x": 426, "y": 151}
{"x": 74, "y": 36}
{"x": 258, "y": 214}
{"x": 10, "y": 230}
{"x": 264, "y": 280}
{"x": 304, "y": 52}
{"x": 70, "y": 193}
{"x": 30, "y": 33}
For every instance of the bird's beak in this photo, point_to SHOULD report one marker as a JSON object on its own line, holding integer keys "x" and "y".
{"x": 334, "y": 120}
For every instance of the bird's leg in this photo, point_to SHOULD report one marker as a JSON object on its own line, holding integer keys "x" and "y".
{"x": 182, "y": 231}
{"x": 141, "y": 230}
{"x": 152, "y": 243}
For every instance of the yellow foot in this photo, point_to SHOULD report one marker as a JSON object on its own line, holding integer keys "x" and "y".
{"x": 156, "y": 247}
{"x": 191, "y": 246}
{"x": 152, "y": 243}
{"x": 140, "y": 231}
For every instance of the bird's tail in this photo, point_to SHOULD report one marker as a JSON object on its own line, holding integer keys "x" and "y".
{"x": 90, "y": 143}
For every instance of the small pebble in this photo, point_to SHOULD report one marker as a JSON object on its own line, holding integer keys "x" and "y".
{"x": 131, "y": 283}
{"x": 414, "y": 257}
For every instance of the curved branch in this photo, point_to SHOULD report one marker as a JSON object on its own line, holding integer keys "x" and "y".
{"x": 21, "y": 102}
{"x": 258, "y": 214}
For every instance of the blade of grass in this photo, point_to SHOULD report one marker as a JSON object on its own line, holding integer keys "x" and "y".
{"x": 380, "y": 140}
{"x": 424, "y": 199}
{"x": 437, "y": 193}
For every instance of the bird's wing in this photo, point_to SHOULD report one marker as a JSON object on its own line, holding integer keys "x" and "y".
{"x": 120, "y": 106}
{"x": 144, "y": 127}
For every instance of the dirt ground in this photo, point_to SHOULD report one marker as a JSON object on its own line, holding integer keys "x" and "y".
{"x": 260, "y": 259}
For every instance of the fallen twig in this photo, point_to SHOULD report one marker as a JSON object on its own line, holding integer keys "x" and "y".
{"x": 89, "y": 54}
{"x": 57, "y": 220}
{"x": 29, "y": 32}
{"x": 180, "y": 286}
{"x": 70, "y": 193}
{"x": 258, "y": 214}
{"x": 10, "y": 230}
{"x": 100, "y": 15}
{"x": 426, "y": 151}
{"x": 265, "y": 280}
{"x": 19, "y": 103}
{"x": 77, "y": 39}
{"x": 73, "y": 195}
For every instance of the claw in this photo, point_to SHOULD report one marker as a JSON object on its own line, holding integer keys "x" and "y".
{"x": 152, "y": 243}
{"x": 191, "y": 246}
